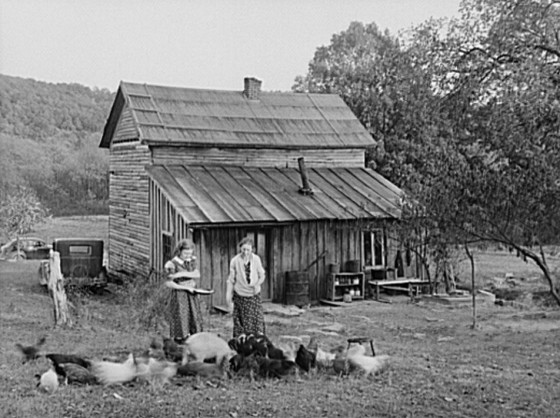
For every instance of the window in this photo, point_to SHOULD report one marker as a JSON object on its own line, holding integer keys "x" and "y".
{"x": 373, "y": 248}
{"x": 167, "y": 244}
{"x": 80, "y": 249}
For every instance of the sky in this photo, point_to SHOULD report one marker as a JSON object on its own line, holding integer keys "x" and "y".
{"x": 209, "y": 44}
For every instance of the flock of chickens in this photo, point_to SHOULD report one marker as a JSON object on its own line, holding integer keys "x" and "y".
{"x": 205, "y": 355}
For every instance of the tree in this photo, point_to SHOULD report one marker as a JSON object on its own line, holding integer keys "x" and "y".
{"x": 467, "y": 116}
{"x": 20, "y": 212}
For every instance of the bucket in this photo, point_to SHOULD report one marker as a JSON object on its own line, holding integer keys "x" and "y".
{"x": 297, "y": 288}
{"x": 353, "y": 266}
{"x": 334, "y": 268}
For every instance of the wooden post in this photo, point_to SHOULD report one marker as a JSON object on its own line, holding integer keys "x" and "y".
{"x": 56, "y": 289}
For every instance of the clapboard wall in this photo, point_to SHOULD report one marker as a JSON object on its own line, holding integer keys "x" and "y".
{"x": 129, "y": 222}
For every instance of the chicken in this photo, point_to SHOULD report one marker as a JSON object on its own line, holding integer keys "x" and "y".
{"x": 273, "y": 367}
{"x": 249, "y": 344}
{"x": 172, "y": 350}
{"x": 76, "y": 374}
{"x": 31, "y": 352}
{"x": 109, "y": 373}
{"x": 154, "y": 371}
{"x": 58, "y": 360}
{"x": 48, "y": 381}
{"x": 206, "y": 370}
{"x": 155, "y": 350}
{"x": 323, "y": 359}
{"x": 305, "y": 358}
{"x": 341, "y": 365}
{"x": 369, "y": 365}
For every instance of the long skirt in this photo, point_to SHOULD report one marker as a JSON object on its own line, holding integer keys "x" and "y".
{"x": 248, "y": 316}
{"x": 184, "y": 314}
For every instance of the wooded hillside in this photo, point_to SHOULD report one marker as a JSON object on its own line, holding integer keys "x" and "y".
{"x": 49, "y": 137}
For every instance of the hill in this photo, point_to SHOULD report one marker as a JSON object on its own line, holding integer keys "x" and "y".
{"x": 49, "y": 136}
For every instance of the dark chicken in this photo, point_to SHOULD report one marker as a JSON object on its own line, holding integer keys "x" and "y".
{"x": 31, "y": 352}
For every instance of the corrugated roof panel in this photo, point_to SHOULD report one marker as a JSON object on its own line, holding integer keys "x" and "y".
{"x": 276, "y": 119}
{"x": 199, "y": 194}
{"x": 141, "y": 102}
{"x": 314, "y": 205}
{"x": 147, "y": 117}
{"x": 214, "y": 194}
{"x": 176, "y": 194}
{"x": 381, "y": 197}
{"x": 228, "y": 180}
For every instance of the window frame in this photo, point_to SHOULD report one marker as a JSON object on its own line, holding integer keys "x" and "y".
{"x": 373, "y": 233}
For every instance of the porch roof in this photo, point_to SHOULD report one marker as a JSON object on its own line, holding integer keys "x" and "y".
{"x": 211, "y": 195}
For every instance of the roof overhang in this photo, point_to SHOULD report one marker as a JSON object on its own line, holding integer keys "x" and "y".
{"x": 211, "y": 196}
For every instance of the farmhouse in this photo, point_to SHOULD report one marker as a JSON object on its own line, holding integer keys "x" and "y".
{"x": 286, "y": 169}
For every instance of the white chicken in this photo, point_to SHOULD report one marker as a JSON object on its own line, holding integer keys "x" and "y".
{"x": 109, "y": 373}
{"x": 48, "y": 381}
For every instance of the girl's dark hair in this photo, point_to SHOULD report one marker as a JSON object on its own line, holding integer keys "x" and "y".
{"x": 246, "y": 240}
{"x": 184, "y": 244}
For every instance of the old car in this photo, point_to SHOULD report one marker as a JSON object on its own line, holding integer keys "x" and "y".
{"x": 81, "y": 262}
{"x": 25, "y": 248}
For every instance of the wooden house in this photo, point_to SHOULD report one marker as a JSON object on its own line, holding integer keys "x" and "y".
{"x": 287, "y": 169}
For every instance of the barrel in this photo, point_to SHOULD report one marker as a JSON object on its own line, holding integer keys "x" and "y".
{"x": 297, "y": 288}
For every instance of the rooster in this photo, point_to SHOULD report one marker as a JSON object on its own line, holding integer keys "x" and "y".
{"x": 31, "y": 352}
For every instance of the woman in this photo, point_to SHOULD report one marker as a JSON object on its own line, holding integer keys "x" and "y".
{"x": 246, "y": 275}
{"x": 184, "y": 314}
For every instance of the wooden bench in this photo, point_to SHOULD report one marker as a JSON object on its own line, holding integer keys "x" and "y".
{"x": 411, "y": 286}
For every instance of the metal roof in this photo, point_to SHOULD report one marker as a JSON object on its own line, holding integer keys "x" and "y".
{"x": 186, "y": 116}
{"x": 209, "y": 195}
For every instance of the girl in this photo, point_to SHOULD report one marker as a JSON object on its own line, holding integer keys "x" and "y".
{"x": 184, "y": 314}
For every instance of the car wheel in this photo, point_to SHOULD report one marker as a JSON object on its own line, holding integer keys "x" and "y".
{"x": 17, "y": 255}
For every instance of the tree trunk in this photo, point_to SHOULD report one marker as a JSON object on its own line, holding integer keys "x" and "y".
{"x": 541, "y": 262}
{"x": 56, "y": 288}
{"x": 473, "y": 290}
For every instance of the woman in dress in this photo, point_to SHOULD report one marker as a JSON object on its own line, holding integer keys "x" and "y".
{"x": 246, "y": 275}
{"x": 184, "y": 314}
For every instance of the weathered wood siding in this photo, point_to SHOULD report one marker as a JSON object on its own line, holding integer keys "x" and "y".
{"x": 126, "y": 129}
{"x": 251, "y": 157}
{"x": 164, "y": 220}
{"x": 309, "y": 246}
{"x": 129, "y": 222}
{"x": 291, "y": 248}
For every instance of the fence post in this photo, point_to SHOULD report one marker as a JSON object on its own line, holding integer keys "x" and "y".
{"x": 56, "y": 289}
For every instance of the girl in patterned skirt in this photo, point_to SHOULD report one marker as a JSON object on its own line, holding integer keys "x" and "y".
{"x": 246, "y": 275}
{"x": 184, "y": 314}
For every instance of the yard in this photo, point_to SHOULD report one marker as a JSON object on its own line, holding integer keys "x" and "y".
{"x": 509, "y": 366}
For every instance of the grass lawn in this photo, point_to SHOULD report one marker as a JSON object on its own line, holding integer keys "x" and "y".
{"x": 440, "y": 367}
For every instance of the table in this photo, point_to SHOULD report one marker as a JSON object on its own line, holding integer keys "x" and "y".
{"x": 411, "y": 285}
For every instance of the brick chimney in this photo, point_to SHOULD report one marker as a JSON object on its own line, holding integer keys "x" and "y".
{"x": 252, "y": 88}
